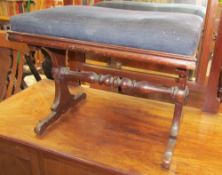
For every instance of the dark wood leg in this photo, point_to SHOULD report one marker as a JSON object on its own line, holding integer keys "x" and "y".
{"x": 63, "y": 98}
{"x": 174, "y": 130}
{"x": 173, "y": 135}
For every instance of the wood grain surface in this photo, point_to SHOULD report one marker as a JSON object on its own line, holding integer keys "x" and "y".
{"x": 122, "y": 133}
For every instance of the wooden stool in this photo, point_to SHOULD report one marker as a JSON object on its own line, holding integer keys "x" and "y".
{"x": 161, "y": 38}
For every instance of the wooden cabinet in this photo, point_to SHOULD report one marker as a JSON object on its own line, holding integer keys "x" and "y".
{"x": 56, "y": 166}
{"x": 17, "y": 160}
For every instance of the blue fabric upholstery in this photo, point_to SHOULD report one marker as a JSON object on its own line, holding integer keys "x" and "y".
{"x": 149, "y": 6}
{"x": 161, "y": 31}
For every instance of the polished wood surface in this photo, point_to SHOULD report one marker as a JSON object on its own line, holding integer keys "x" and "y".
{"x": 110, "y": 131}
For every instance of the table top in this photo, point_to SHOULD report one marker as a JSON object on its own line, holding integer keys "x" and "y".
{"x": 107, "y": 129}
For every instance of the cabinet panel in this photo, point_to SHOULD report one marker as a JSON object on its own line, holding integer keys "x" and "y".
{"x": 12, "y": 165}
{"x": 56, "y": 166}
{"x": 16, "y": 159}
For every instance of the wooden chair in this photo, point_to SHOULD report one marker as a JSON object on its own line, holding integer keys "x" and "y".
{"x": 80, "y": 30}
{"x": 11, "y": 66}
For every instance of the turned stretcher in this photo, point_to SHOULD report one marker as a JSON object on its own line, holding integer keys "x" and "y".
{"x": 168, "y": 39}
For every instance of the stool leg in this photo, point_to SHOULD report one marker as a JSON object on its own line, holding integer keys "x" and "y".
{"x": 174, "y": 130}
{"x": 173, "y": 135}
{"x": 63, "y": 98}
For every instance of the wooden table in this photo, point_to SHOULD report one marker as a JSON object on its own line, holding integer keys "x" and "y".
{"x": 105, "y": 134}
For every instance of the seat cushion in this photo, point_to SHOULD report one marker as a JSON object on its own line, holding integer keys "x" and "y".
{"x": 149, "y": 6}
{"x": 160, "y": 31}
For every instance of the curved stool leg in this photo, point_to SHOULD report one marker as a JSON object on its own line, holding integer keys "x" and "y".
{"x": 63, "y": 98}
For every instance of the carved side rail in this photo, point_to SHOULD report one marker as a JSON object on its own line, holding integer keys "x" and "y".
{"x": 126, "y": 85}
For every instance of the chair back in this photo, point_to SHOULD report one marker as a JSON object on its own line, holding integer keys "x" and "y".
{"x": 11, "y": 66}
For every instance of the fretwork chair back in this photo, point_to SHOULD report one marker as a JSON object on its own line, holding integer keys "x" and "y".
{"x": 11, "y": 66}
{"x": 165, "y": 39}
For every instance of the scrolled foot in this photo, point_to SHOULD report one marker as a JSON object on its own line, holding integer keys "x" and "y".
{"x": 56, "y": 113}
{"x": 43, "y": 124}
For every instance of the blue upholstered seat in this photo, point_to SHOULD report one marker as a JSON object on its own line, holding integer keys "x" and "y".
{"x": 177, "y": 33}
{"x": 149, "y": 6}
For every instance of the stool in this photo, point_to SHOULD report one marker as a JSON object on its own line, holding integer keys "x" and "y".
{"x": 145, "y": 37}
